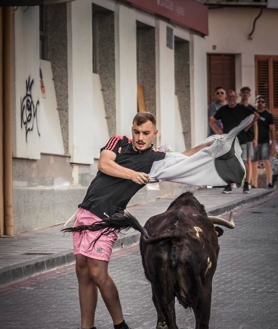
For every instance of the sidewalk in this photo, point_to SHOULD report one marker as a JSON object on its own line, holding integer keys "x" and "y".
{"x": 29, "y": 253}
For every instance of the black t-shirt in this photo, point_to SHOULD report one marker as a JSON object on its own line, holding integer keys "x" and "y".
{"x": 265, "y": 119}
{"x": 231, "y": 117}
{"x": 250, "y": 131}
{"x": 107, "y": 194}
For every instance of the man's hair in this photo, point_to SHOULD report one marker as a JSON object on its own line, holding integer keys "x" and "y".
{"x": 231, "y": 91}
{"x": 219, "y": 87}
{"x": 242, "y": 89}
{"x": 259, "y": 97}
{"x": 142, "y": 117}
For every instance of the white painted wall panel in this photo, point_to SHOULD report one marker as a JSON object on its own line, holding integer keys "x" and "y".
{"x": 27, "y": 84}
{"x": 51, "y": 134}
{"x": 166, "y": 87}
{"x": 198, "y": 81}
{"x": 99, "y": 123}
{"x": 126, "y": 68}
{"x": 81, "y": 116}
{"x": 180, "y": 144}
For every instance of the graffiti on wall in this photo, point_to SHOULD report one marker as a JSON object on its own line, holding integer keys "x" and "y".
{"x": 29, "y": 114}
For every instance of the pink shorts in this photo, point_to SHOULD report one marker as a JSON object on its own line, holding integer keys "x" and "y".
{"x": 82, "y": 242}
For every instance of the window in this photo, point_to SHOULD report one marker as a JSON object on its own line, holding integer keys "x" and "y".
{"x": 267, "y": 82}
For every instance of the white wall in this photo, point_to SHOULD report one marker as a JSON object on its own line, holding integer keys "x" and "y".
{"x": 165, "y": 87}
{"x": 198, "y": 84}
{"x": 126, "y": 68}
{"x": 81, "y": 115}
{"x": 51, "y": 134}
{"x": 228, "y": 31}
{"x": 27, "y": 83}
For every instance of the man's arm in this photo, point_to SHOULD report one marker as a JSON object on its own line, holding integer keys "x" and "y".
{"x": 214, "y": 126}
{"x": 108, "y": 166}
{"x": 255, "y": 140}
{"x": 272, "y": 138}
{"x": 256, "y": 117}
{"x": 197, "y": 148}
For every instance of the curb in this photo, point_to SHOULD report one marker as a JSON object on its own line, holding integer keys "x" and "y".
{"x": 225, "y": 208}
{"x": 24, "y": 270}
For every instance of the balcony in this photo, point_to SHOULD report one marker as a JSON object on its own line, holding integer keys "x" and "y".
{"x": 240, "y": 3}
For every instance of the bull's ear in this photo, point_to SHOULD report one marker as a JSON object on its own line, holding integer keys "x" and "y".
{"x": 218, "y": 231}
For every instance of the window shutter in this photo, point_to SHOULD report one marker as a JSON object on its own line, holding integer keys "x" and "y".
{"x": 263, "y": 79}
{"x": 267, "y": 82}
{"x": 275, "y": 84}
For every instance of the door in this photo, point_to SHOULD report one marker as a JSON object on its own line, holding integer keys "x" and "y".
{"x": 220, "y": 72}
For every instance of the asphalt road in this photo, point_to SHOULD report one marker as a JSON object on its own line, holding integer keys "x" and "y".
{"x": 245, "y": 290}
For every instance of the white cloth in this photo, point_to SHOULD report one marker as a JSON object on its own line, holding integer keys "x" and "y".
{"x": 216, "y": 165}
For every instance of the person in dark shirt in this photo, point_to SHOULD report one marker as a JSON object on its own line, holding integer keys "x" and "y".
{"x": 123, "y": 169}
{"x": 251, "y": 139}
{"x": 220, "y": 95}
{"x": 266, "y": 132}
{"x": 231, "y": 115}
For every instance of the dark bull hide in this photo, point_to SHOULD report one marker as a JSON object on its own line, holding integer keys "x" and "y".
{"x": 179, "y": 250}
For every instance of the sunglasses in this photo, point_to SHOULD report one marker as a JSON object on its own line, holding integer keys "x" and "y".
{"x": 261, "y": 102}
{"x": 220, "y": 93}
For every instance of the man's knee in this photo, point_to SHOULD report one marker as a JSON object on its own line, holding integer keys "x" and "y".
{"x": 81, "y": 266}
{"x": 98, "y": 271}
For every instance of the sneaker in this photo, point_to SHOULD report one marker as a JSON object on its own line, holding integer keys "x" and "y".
{"x": 227, "y": 189}
{"x": 246, "y": 188}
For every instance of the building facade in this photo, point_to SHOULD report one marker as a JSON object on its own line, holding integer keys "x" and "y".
{"x": 241, "y": 48}
{"x": 79, "y": 71}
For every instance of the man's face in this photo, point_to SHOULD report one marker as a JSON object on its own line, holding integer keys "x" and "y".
{"x": 220, "y": 95}
{"x": 143, "y": 135}
{"x": 231, "y": 97}
{"x": 260, "y": 104}
{"x": 245, "y": 95}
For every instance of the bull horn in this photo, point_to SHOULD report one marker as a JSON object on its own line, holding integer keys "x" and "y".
{"x": 221, "y": 221}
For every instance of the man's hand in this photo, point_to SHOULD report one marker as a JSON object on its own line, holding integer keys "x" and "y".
{"x": 272, "y": 150}
{"x": 255, "y": 143}
{"x": 140, "y": 178}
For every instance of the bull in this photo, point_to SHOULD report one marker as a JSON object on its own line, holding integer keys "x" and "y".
{"x": 179, "y": 250}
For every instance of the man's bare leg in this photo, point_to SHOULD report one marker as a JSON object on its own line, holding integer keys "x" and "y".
{"x": 255, "y": 174}
{"x": 268, "y": 171}
{"x": 99, "y": 274}
{"x": 87, "y": 292}
{"x": 248, "y": 167}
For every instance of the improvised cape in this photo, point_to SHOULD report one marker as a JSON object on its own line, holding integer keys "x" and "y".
{"x": 216, "y": 165}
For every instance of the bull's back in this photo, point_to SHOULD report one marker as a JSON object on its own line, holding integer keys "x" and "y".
{"x": 184, "y": 261}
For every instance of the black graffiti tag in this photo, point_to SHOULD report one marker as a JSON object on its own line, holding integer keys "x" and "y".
{"x": 29, "y": 109}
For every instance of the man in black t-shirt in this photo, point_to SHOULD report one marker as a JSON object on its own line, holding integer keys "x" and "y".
{"x": 266, "y": 132}
{"x": 251, "y": 139}
{"x": 231, "y": 115}
{"x": 123, "y": 169}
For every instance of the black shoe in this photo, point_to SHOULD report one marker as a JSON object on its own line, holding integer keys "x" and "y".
{"x": 246, "y": 188}
{"x": 218, "y": 231}
{"x": 227, "y": 189}
{"x": 269, "y": 186}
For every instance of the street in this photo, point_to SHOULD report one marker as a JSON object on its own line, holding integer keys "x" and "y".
{"x": 245, "y": 290}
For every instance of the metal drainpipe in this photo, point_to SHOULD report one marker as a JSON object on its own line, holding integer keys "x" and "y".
{"x": 1, "y": 129}
{"x": 7, "y": 119}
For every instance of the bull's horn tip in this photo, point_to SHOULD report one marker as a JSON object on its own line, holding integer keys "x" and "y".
{"x": 231, "y": 219}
